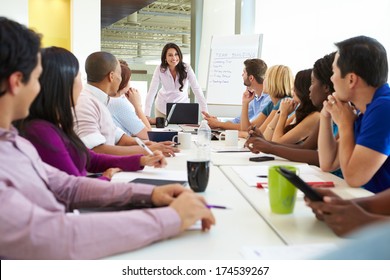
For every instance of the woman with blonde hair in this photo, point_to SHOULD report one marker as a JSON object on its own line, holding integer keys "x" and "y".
{"x": 278, "y": 83}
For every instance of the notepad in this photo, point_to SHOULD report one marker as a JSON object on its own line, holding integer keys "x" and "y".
{"x": 157, "y": 182}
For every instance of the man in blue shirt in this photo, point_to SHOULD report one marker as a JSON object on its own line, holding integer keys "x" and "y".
{"x": 253, "y": 77}
{"x": 360, "y": 73}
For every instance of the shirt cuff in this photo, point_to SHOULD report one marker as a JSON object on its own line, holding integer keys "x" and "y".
{"x": 169, "y": 220}
{"x": 93, "y": 140}
{"x": 142, "y": 195}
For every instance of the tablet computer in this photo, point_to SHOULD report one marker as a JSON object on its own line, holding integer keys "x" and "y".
{"x": 300, "y": 184}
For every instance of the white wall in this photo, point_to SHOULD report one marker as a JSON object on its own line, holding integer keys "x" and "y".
{"x": 297, "y": 33}
{"x": 86, "y": 30}
{"x": 16, "y": 10}
{"x": 85, "y": 24}
{"x": 218, "y": 19}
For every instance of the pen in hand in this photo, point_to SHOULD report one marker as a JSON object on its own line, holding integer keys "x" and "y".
{"x": 142, "y": 145}
{"x": 216, "y": 206}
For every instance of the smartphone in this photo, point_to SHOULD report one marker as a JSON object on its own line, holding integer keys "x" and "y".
{"x": 261, "y": 158}
{"x": 312, "y": 194}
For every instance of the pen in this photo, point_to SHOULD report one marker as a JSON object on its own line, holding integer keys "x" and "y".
{"x": 216, "y": 206}
{"x": 142, "y": 145}
{"x": 328, "y": 184}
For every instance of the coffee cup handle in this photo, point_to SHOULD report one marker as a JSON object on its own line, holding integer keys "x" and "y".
{"x": 174, "y": 137}
{"x": 194, "y": 172}
{"x": 220, "y": 136}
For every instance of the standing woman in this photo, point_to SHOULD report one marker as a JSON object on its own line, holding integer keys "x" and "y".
{"x": 49, "y": 126}
{"x": 174, "y": 76}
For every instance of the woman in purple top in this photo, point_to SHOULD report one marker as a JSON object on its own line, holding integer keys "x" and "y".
{"x": 50, "y": 123}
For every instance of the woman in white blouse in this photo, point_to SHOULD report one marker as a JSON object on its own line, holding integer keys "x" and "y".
{"x": 174, "y": 76}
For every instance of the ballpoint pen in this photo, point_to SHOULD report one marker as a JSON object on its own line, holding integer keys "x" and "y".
{"x": 216, "y": 206}
{"x": 142, "y": 145}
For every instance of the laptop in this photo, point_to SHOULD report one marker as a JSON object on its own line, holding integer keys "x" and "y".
{"x": 159, "y": 136}
{"x": 183, "y": 113}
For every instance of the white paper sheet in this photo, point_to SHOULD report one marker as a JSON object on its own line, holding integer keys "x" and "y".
{"x": 225, "y": 149}
{"x": 253, "y": 174}
{"x": 291, "y": 252}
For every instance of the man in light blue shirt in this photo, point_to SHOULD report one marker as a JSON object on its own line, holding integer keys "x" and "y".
{"x": 256, "y": 106}
{"x": 253, "y": 77}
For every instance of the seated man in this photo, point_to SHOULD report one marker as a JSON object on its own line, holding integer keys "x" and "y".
{"x": 93, "y": 122}
{"x": 36, "y": 197}
{"x": 360, "y": 73}
{"x": 253, "y": 76}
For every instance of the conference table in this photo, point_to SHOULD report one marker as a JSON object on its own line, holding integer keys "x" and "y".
{"x": 248, "y": 222}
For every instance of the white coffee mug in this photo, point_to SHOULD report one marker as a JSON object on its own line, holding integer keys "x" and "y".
{"x": 183, "y": 140}
{"x": 231, "y": 137}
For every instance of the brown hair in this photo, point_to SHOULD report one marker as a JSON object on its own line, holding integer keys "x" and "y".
{"x": 126, "y": 74}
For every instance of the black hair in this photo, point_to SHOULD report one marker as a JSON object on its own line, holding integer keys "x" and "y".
{"x": 302, "y": 84}
{"x": 322, "y": 70}
{"x": 19, "y": 47}
{"x": 365, "y": 57}
{"x": 54, "y": 102}
{"x": 98, "y": 65}
{"x": 180, "y": 67}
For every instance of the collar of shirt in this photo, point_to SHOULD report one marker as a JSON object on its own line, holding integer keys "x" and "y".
{"x": 97, "y": 93}
{"x": 8, "y": 134}
{"x": 381, "y": 91}
{"x": 262, "y": 96}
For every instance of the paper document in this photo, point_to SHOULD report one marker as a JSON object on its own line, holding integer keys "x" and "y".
{"x": 253, "y": 174}
{"x": 291, "y": 252}
{"x": 229, "y": 149}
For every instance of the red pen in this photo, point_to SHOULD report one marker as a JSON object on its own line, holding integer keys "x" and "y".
{"x": 328, "y": 184}
{"x": 261, "y": 185}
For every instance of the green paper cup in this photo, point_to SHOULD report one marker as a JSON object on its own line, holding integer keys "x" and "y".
{"x": 282, "y": 194}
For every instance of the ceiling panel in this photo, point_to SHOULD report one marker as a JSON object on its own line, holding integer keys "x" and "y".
{"x": 114, "y": 10}
{"x": 141, "y": 35}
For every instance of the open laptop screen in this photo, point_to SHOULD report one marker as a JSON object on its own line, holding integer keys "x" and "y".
{"x": 183, "y": 113}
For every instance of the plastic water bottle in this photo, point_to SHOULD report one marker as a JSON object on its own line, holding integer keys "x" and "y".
{"x": 204, "y": 141}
